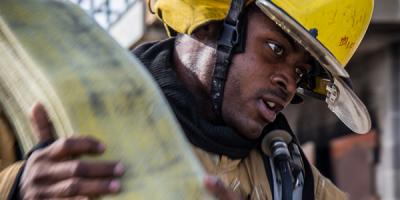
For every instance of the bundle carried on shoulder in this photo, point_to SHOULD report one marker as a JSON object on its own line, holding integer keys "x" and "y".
{"x": 52, "y": 52}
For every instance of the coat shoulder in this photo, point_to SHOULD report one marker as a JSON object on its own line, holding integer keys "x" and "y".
{"x": 324, "y": 189}
{"x": 8, "y": 177}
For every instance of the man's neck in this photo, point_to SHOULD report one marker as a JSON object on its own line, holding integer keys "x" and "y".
{"x": 193, "y": 61}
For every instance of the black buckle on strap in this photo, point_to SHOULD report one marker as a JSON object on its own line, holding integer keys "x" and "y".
{"x": 229, "y": 36}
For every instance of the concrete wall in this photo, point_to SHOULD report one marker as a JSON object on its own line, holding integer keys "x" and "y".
{"x": 376, "y": 72}
{"x": 387, "y": 11}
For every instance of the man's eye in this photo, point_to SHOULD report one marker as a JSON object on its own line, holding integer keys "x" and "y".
{"x": 277, "y": 49}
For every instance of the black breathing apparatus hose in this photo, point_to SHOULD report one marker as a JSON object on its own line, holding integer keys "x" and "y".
{"x": 275, "y": 145}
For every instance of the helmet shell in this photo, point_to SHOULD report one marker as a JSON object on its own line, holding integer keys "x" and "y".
{"x": 340, "y": 24}
{"x": 184, "y": 16}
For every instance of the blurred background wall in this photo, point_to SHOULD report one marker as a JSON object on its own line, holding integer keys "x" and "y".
{"x": 366, "y": 166}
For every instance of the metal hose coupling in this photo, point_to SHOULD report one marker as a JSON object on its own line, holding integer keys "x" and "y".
{"x": 275, "y": 143}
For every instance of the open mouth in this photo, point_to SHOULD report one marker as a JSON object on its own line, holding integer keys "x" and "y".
{"x": 273, "y": 106}
{"x": 268, "y": 109}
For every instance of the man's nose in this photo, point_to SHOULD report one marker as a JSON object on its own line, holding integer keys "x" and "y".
{"x": 285, "y": 78}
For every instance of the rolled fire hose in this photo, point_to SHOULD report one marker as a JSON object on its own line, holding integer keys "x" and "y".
{"x": 52, "y": 52}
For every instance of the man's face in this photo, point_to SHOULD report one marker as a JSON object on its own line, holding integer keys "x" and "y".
{"x": 262, "y": 80}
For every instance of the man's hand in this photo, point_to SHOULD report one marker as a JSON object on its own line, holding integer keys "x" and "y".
{"x": 54, "y": 171}
{"x": 218, "y": 189}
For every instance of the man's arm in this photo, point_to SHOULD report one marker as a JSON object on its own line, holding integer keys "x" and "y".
{"x": 54, "y": 171}
{"x": 9, "y": 168}
{"x": 7, "y": 179}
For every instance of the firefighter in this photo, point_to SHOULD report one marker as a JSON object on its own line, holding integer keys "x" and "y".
{"x": 228, "y": 70}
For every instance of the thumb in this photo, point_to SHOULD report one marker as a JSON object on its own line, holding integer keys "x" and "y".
{"x": 42, "y": 126}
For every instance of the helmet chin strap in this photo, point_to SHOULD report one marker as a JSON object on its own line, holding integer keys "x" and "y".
{"x": 227, "y": 41}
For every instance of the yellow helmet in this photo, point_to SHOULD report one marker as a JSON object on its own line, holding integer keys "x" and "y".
{"x": 330, "y": 30}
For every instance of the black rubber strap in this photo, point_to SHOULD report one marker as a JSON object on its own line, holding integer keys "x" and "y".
{"x": 40, "y": 145}
{"x": 228, "y": 39}
{"x": 287, "y": 182}
{"x": 234, "y": 11}
{"x": 268, "y": 171}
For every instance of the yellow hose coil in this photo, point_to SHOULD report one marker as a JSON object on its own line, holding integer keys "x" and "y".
{"x": 51, "y": 51}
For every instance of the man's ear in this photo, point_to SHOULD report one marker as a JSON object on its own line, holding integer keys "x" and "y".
{"x": 207, "y": 32}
